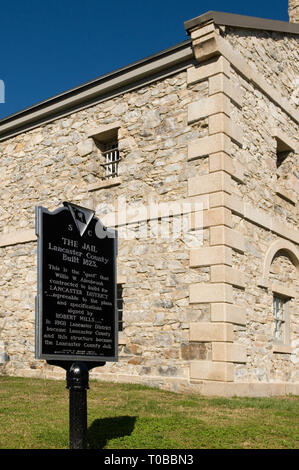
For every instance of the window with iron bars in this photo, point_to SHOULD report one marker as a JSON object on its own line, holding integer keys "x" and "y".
{"x": 119, "y": 303}
{"x": 279, "y": 306}
{"x": 111, "y": 159}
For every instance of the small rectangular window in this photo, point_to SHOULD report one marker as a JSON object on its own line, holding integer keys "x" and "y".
{"x": 283, "y": 150}
{"x": 106, "y": 140}
{"x": 281, "y": 157}
{"x": 111, "y": 159}
{"x": 279, "y": 312}
{"x": 119, "y": 301}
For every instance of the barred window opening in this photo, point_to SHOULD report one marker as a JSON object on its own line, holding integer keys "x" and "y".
{"x": 111, "y": 159}
{"x": 119, "y": 301}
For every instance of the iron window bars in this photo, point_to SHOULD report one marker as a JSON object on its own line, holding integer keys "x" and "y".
{"x": 279, "y": 317}
{"x": 111, "y": 158}
{"x": 119, "y": 301}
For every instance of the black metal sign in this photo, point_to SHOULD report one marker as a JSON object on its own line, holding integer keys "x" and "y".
{"x": 76, "y": 312}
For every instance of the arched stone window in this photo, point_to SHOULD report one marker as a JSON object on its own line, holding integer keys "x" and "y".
{"x": 278, "y": 246}
{"x": 281, "y": 277}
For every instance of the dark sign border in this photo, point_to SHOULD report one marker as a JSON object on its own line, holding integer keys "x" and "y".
{"x": 39, "y": 211}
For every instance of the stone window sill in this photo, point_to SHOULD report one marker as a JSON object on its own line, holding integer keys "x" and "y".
{"x": 282, "y": 349}
{"x": 104, "y": 184}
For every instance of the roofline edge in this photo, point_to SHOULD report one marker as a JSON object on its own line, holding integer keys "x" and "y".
{"x": 241, "y": 21}
{"x": 89, "y": 93}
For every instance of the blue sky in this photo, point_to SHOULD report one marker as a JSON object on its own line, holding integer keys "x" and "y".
{"x": 50, "y": 46}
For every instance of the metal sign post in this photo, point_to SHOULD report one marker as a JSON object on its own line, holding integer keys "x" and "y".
{"x": 77, "y": 381}
{"x": 76, "y": 311}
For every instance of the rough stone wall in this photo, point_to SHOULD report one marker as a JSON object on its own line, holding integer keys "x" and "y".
{"x": 18, "y": 288}
{"x": 272, "y": 54}
{"x": 258, "y": 117}
{"x": 260, "y": 199}
{"x": 58, "y": 162}
{"x": 152, "y": 140}
{"x": 265, "y": 363}
{"x": 197, "y": 308}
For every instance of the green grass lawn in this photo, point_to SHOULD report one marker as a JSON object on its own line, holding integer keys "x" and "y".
{"x": 34, "y": 414}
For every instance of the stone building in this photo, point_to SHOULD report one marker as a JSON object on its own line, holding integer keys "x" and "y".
{"x": 192, "y": 154}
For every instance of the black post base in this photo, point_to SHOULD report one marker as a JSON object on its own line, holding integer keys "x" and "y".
{"x": 77, "y": 378}
{"x": 77, "y": 383}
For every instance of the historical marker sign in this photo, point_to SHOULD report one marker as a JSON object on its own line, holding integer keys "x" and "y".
{"x": 76, "y": 312}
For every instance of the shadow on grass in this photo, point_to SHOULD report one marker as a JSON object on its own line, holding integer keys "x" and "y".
{"x": 102, "y": 430}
